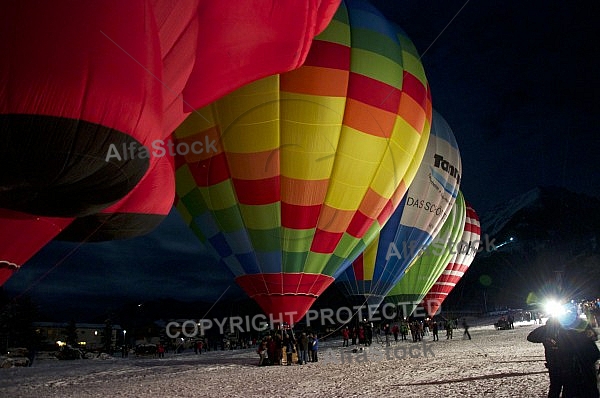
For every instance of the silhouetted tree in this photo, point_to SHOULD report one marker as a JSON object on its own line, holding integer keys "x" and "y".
{"x": 107, "y": 336}
{"x": 16, "y": 324}
{"x": 71, "y": 332}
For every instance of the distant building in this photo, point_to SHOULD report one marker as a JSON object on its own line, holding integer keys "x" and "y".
{"x": 89, "y": 335}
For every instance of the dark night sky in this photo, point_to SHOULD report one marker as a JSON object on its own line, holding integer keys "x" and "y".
{"x": 517, "y": 83}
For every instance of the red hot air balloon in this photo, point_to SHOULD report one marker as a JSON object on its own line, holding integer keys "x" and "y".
{"x": 81, "y": 80}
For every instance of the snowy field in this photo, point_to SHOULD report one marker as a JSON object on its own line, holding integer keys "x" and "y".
{"x": 494, "y": 363}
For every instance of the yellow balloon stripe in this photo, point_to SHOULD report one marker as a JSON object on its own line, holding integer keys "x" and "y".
{"x": 369, "y": 256}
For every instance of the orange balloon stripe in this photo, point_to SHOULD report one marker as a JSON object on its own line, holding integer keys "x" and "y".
{"x": 413, "y": 112}
{"x": 334, "y": 220}
{"x": 369, "y": 119}
{"x": 254, "y": 166}
{"x": 372, "y": 204}
{"x": 314, "y": 80}
{"x": 303, "y": 192}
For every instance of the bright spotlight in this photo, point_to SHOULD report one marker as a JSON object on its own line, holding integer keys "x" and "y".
{"x": 553, "y": 308}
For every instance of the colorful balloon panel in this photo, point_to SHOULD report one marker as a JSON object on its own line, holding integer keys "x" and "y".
{"x": 426, "y": 269}
{"x": 420, "y": 215}
{"x": 304, "y": 162}
{"x": 465, "y": 252}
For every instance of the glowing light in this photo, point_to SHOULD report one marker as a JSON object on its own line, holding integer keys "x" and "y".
{"x": 554, "y": 308}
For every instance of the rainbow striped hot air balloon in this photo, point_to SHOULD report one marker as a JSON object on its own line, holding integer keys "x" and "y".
{"x": 465, "y": 252}
{"x": 425, "y": 270}
{"x": 419, "y": 217}
{"x": 304, "y": 162}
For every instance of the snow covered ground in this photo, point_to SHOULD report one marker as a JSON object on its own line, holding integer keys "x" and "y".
{"x": 494, "y": 363}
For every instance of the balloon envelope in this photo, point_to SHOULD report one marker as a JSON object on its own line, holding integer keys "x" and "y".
{"x": 425, "y": 270}
{"x": 290, "y": 171}
{"x": 419, "y": 217}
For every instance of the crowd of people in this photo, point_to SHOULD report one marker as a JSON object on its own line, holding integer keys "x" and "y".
{"x": 571, "y": 352}
{"x": 591, "y": 310}
{"x": 385, "y": 333}
{"x": 282, "y": 347}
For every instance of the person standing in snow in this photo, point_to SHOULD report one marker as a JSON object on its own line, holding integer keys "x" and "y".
{"x": 434, "y": 330}
{"x": 311, "y": 340}
{"x": 160, "y": 350}
{"x": 290, "y": 346}
{"x": 570, "y": 358}
{"x": 361, "y": 335}
{"x": 345, "y": 336}
{"x": 303, "y": 351}
{"x": 263, "y": 354}
{"x": 404, "y": 330}
{"x": 395, "y": 331}
{"x": 465, "y": 325}
{"x": 314, "y": 348}
{"x": 278, "y": 342}
{"x": 548, "y": 335}
{"x": 450, "y": 325}
{"x": 368, "y": 333}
